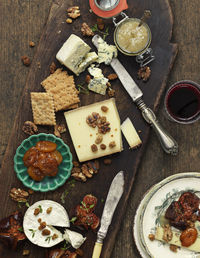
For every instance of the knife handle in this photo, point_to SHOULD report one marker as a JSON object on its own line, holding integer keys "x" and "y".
{"x": 168, "y": 144}
{"x": 97, "y": 250}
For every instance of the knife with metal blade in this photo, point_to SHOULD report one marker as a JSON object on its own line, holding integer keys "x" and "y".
{"x": 114, "y": 194}
{"x": 168, "y": 144}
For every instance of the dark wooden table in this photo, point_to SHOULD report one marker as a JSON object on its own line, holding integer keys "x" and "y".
{"x": 23, "y": 20}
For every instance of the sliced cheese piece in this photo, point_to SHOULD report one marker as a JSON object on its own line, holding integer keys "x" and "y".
{"x": 106, "y": 52}
{"x": 130, "y": 134}
{"x": 176, "y": 240}
{"x": 72, "y": 53}
{"x": 84, "y": 136}
{"x": 99, "y": 83}
{"x": 74, "y": 238}
{"x": 88, "y": 60}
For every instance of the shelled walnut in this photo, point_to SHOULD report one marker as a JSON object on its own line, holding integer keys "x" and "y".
{"x": 86, "y": 30}
{"x": 19, "y": 195}
{"x": 73, "y": 12}
{"x": 29, "y": 128}
{"x": 86, "y": 170}
{"x": 144, "y": 73}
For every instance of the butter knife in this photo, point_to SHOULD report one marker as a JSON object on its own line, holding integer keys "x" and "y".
{"x": 168, "y": 144}
{"x": 113, "y": 197}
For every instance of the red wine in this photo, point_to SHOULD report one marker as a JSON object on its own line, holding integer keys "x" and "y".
{"x": 183, "y": 101}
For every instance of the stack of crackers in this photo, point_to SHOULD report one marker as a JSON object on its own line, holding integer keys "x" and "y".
{"x": 61, "y": 94}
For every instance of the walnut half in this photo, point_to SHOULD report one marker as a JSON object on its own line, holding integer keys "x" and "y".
{"x": 73, "y": 12}
{"x": 19, "y": 195}
{"x": 86, "y": 30}
{"x": 29, "y": 128}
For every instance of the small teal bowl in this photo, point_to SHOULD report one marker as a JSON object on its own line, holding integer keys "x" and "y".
{"x": 48, "y": 183}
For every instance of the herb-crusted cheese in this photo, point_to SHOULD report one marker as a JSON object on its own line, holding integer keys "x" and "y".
{"x": 84, "y": 136}
{"x": 106, "y": 52}
{"x": 130, "y": 134}
{"x": 72, "y": 53}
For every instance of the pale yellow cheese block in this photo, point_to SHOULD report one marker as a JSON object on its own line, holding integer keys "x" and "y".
{"x": 130, "y": 134}
{"x": 176, "y": 240}
{"x": 83, "y": 136}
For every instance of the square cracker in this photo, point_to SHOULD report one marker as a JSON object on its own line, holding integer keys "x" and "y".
{"x": 43, "y": 108}
{"x": 63, "y": 90}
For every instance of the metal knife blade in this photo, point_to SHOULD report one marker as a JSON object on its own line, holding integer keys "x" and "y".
{"x": 168, "y": 144}
{"x": 125, "y": 78}
{"x": 113, "y": 197}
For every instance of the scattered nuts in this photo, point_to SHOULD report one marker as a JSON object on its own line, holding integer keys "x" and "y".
{"x": 42, "y": 225}
{"x": 99, "y": 139}
{"x": 108, "y": 84}
{"x": 85, "y": 171}
{"x": 26, "y": 60}
{"x": 107, "y": 161}
{"x": 104, "y": 109}
{"x": 26, "y": 252}
{"x": 93, "y": 166}
{"x": 31, "y": 44}
{"x": 112, "y": 76}
{"x": 168, "y": 234}
{"x": 87, "y": 78}
{"x": 73, "y": 12}
{"x": 103, "y": 119}
{"x": 18, "y": 195}
{"x": 54, "y": 236}
{"x": 29, "y": 128}
{"x": 39, "y": 220}
{"x": 100, "y": 24}
{"x": 112, "y": 144}
{"x": 76, "y": 164}
{"x": 49, "y": 210}
{"x": 36, "y": 211}
{"x": 111, "y": 92}
{"x": 46, "y": 232}
{"x": 56, "y": 132}
{"x": 61, "y": 128}
{"x": 30, "y": 191}
{"x": 151, "y": 237}
{"x": 86, "y": 30}
{"x": 173, "y": 248}
{"x": 144, "y": 73}
{"x": 69, "y": 20}
{"x": 103, "y": 146}
{"x": 79, "y": 176}
{"x": 52, "y": 67}
{"x": 94, "y": 148}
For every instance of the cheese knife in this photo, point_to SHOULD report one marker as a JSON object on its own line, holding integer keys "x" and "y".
{"x": 168, "y": 144}
{"x": 114, "y": 194}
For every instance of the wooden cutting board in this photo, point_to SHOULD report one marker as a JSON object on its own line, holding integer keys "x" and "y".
{"x": 53, "y": 36}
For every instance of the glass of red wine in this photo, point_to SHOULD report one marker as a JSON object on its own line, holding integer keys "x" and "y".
{"x": 182, "y": 102}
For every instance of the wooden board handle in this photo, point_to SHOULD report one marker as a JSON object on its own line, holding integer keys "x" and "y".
{"x": 97, "y": 250}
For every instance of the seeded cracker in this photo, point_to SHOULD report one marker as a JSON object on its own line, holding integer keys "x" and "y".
{"x": 43, "y": 108}
{"x": 63, "y": 90}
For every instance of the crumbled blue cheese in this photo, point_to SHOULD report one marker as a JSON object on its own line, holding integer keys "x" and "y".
{"x": 106, "y": 52}
{"x": 72, "y": 53}
{"x": 88, "y": 60}
{"x": 99, "y": 83}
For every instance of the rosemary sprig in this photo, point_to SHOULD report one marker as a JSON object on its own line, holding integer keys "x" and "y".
{"x": 66, "y": 246}
{"x": 32, "y": 231}
{"x": 71, "y": 184}
{"x": 20, "y": 229}
{"x": 72, "y": 220}
{"x": 82, "y": 88}
{"x": 48, "y": 239}
{"x": 104, "y": 33}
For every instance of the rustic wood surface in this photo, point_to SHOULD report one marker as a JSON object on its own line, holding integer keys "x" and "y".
{"x": 22, "y": 21}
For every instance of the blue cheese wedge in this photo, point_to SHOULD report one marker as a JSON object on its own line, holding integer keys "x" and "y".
{"x": 106, "y": 52}
{"x": 74, "y": 238}
{"x": 84, "y": 137}
{"x": 72, "y": 53}
{"x": 88, "y": 60}
{"x": 130, "y": 134}
{"x": 99, "y": 83}
{"x": 56, "y": 217}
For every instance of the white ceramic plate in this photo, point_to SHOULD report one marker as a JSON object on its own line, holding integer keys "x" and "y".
{"x": 153, "y": 204}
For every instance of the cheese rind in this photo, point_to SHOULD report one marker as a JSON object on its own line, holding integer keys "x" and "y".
{"x": 83, "y": 136}
{"x": 130, "y": 134}
{"x": 72, "y": 53}
{"x": 176, "y": 240}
